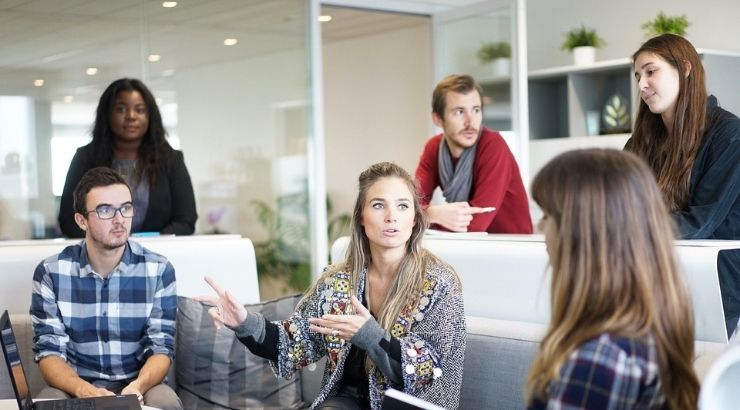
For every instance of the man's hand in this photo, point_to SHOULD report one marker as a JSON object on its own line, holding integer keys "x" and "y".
{"x": 455, "y": 216}
{"x": 133, "y": 388}
{"x": 57, "y": 373}
{"x": 88, "y": 390}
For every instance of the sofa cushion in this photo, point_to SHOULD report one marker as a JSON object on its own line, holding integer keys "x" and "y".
{"x": 498, "y": 354}
{"x": 216, "y": 371}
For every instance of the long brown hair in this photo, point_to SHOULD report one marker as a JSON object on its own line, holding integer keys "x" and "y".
{"x": 672, "y": 156}
{"x": 613, "y": 267}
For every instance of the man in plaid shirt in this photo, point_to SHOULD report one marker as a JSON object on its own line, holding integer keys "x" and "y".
{"x": 104, "y": 310}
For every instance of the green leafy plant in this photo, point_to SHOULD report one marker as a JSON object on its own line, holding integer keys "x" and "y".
{"x": 493, "y": 50}
{"x": 582, "y": 37}
{"x": 286, "y": 254}
{"x": 663, "y": 24}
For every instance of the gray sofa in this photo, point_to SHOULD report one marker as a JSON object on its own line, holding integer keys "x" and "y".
{"x": 497, "y": 358}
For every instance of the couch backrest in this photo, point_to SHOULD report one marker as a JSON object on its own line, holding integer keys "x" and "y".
{"x": 506, "y": 277}
{"x": 229, "y": 259}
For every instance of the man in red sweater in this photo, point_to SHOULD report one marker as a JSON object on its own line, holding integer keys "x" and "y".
{"x": 472, "y": 165}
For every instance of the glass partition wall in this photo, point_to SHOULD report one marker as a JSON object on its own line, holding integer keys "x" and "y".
{"x": 231, "y": 78}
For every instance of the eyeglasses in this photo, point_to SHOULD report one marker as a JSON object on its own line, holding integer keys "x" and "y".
{"x": 109, "y": 212}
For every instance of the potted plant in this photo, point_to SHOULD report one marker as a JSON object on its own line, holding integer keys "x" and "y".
{"x": 663, "y": 24}
{"x": 583, "y": 42}
{"x": 497, "y": 55}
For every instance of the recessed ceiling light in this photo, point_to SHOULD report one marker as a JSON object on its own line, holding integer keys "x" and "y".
{"x": 230, "y": 41}
{"x": 68, "y": 98}
{"x": 169, "y": 4}
{"x": 38, "y": 83}
{"x": 154, "y": 58}
{"x": 91, "y": 71}
{"x": 159, "y": 101}
{"x": 324, "y": 18}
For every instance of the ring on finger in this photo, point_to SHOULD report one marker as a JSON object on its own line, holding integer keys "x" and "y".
{"x": 334, "y": 332}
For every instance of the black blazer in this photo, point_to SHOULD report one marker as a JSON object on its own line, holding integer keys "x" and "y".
{"x": 171, "y": 207}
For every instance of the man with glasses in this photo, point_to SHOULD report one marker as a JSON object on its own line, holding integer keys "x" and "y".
{"x": 104, "y": 310}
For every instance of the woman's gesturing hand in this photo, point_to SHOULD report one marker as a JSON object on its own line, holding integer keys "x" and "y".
{"x": 343, "y": 326}
{"x": 226, "y": 309}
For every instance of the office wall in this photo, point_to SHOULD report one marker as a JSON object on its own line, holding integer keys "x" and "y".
{"x": 377, "y": 105}
{"x": 713, "y": 25}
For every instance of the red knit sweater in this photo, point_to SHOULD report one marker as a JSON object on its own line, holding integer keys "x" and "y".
{"x": 496, "y": 182}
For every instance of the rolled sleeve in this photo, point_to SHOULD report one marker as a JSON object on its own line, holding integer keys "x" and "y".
{"x": 50, "y": 336}
{"x": 160, "y": 331}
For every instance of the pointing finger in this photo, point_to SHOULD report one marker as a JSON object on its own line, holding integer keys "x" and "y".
{"x": 219, "y": 290}
{"x": 480, "y": 210}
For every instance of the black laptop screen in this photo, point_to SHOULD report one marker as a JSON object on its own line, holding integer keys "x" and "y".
{"x": 13, "y": 361}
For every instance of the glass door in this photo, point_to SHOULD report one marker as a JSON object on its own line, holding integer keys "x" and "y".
{"x": 487, "y": 40}
{"x": 234, "y": 82}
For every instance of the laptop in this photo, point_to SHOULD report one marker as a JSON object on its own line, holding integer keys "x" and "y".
{"x": 21, "y": 386}
{"x": 398, "y": 400}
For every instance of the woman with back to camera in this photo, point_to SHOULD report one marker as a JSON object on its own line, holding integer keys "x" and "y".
{"x": 693, "y": 147}
{"x": 621, "y": 334}
{"x": 128, "y": 136}
{"x": 390, "y": 315}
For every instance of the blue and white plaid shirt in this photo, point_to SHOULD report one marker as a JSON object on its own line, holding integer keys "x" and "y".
{"x": 607, "y": 372}
{"x": 105, "y": 328}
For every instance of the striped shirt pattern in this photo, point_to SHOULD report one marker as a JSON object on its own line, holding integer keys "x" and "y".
{"x": 105, "y": 328}
{"x": 607, "y": 372}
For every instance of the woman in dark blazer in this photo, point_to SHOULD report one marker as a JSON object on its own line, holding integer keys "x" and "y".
{"x": 129, "y": 137}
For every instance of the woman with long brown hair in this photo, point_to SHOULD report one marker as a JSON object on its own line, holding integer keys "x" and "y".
{"x": 693, "y": 147}
{"x": 390, "y": 315}
{"x": 621, "y": 333}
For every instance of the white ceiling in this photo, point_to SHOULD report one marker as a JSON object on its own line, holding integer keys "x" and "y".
{"x": 56, "y": 40}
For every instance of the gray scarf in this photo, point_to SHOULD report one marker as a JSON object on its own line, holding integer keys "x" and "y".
{"x": 456, "y": 180}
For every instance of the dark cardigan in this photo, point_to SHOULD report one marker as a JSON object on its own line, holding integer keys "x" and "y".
{"x": 171, "y": 207}
{"x": 714, "y": 207}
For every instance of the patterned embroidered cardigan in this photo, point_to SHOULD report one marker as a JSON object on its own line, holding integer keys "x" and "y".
{"x": 431, "y": 331}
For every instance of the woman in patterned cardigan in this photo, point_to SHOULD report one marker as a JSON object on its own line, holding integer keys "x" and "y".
{"x": 621, "y": 334}
{"x": 390, "y": 315}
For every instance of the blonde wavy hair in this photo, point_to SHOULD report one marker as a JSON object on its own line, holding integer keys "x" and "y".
{"x": 410, "y": 278}
{"x": 613, "y": 267}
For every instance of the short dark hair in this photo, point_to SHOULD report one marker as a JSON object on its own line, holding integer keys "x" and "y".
{"x": 93, "y": 178}
{"x": 459, "y": 83}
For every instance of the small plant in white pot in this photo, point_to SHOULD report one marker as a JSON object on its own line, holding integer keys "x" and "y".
{"x": 498, "y": 56}
{"x": 583, "y": 42}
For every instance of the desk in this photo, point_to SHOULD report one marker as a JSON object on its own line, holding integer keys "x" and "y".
{"x": 506, "y": 277}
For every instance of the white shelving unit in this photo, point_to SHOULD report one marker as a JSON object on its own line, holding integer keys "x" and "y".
{"x": 497, "y": 110}
{"x": 560, "y": 97}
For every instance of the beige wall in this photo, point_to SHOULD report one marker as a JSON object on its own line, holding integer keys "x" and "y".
{"x": 713, "y": 26}
{"x": 377, "y": 103}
